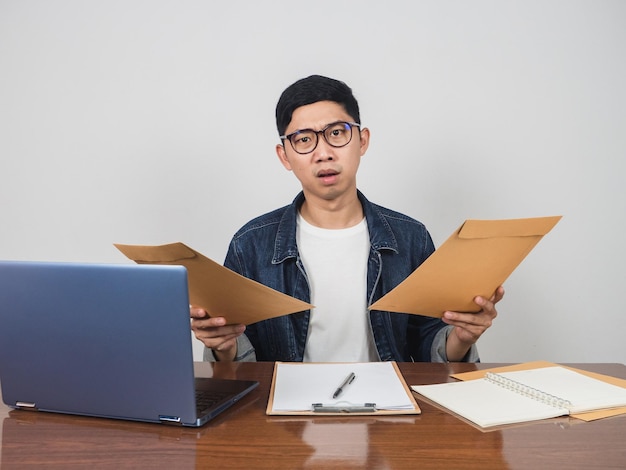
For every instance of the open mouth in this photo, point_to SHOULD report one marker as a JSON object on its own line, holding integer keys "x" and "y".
{"x": 327, "y": 173}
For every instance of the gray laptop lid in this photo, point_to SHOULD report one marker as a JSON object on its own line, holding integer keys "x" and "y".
{"x": 100, "y": 340}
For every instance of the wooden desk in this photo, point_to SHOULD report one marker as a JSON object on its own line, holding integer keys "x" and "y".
{"x": 244, "y": 437}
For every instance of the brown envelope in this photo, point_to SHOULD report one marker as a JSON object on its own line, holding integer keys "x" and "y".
{"x": 217, "y": 289}
{"x": 475, "y": 260}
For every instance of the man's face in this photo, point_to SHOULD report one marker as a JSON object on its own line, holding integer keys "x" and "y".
{"x": 327, "y": 172}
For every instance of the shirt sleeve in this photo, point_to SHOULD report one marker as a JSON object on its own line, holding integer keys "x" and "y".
{"x": 438, "y": 348}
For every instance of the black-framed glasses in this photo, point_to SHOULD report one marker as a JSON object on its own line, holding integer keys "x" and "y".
{"x": 336, "y": 134}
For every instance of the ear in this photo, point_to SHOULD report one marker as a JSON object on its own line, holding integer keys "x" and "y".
{"x": 282, "y": 156}
{"x": 364, "y": 140}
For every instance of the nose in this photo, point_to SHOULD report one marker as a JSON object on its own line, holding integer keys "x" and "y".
{"x": 323, "y": 152}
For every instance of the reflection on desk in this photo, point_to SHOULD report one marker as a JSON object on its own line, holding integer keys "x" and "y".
{"x": 244, "y": 437}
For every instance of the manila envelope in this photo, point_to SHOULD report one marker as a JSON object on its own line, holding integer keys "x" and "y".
{"x": 217, "y": 289}
{"x": 474, "y": 260}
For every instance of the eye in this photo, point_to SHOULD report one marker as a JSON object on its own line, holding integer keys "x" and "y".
{"x": 338, "y": 130}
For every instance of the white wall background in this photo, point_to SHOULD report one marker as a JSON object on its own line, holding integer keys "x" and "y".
{"x": 151, "y": 121}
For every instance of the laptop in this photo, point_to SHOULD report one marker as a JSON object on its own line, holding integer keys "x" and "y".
{"x": 104, "y": 340}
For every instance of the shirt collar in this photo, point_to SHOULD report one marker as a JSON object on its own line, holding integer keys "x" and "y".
{"x": 285, "y": 246}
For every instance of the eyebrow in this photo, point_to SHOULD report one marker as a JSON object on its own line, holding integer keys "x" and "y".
{"x": 349, "y": 121}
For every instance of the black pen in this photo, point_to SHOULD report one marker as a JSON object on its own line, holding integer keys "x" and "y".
{"x": 344, "y": 384}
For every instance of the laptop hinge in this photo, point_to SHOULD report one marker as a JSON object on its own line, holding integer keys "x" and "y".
{"x": 169, "y": 419}
{"x": 23, "y": 405}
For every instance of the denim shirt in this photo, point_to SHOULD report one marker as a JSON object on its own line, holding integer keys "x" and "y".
{"x": 265, "y": 250}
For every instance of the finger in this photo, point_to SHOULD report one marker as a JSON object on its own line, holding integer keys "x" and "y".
{"x": 206, "y": 329}
{"x": 497, "y": 295}
{"x": 487, "y": 307}
{"x": 197, "y": 312}
{"x": 208, "y": 322}
{"x": 219, "y": 342}
{"x": 462, "y": 320}
{"x": 484, "y": 302}
{"x": 475, "y": 322}
{"x": 204, "y": 336}
{"x": 214, "y": 322}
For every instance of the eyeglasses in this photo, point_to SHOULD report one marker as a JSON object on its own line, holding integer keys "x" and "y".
{"x": 336, "y": 134}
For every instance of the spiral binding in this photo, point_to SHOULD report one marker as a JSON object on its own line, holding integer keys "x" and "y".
{"x": 527, "y": 391}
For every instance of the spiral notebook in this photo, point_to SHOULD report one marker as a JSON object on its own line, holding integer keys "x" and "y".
{"x": 524, "y": 395}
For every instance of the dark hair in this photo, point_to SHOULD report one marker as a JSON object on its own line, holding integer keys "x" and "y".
{"x": 310, "y": 90}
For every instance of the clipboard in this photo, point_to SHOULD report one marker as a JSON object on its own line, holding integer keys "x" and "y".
{"x": 217, "y": 289}
{"x": 318, "y": 406}
{"x": 477, "y": 258}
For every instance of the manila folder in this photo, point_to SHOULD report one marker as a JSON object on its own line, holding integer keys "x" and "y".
{"x": 217, "y": 289}
{"x": 474, "y": 260}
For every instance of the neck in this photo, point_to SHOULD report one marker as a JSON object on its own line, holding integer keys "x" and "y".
{"x": 332, "y": 214}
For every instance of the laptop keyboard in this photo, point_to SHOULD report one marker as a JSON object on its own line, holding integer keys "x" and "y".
{"x": 207, "y": 398}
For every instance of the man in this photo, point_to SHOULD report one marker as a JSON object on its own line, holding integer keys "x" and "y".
{"x": 336, "y": 250}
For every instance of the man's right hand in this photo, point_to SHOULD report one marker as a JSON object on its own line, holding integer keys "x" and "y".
{"x": 215, "y": 333}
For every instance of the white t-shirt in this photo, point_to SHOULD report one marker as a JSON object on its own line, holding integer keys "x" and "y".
{"x": 336, "y": 265}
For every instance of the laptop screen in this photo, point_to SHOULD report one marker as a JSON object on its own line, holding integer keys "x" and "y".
{"x": 97, "y": 339}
